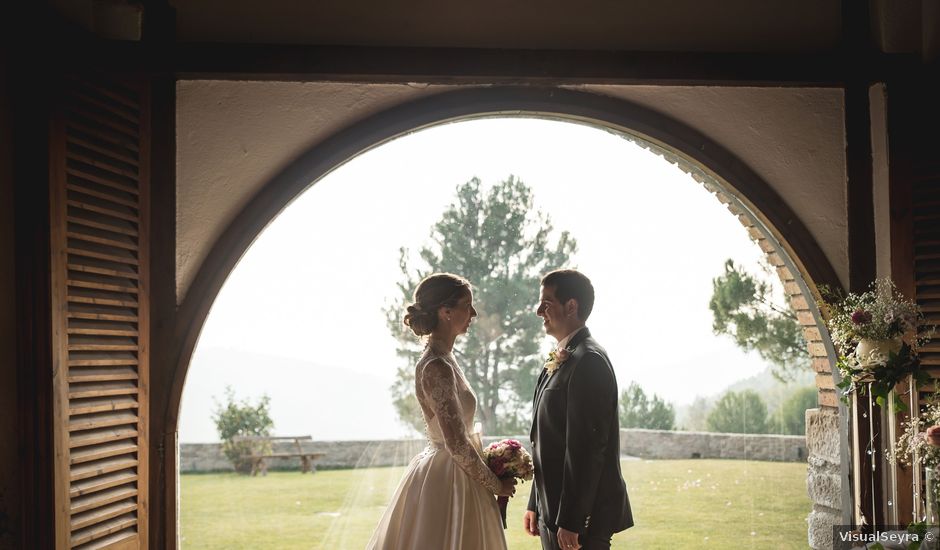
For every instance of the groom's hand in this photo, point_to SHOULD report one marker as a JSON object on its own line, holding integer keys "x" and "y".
{"x": 567, "y": 540}
{"x": 531, "y": 523}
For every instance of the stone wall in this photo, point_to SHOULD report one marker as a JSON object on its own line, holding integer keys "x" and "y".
{"x": 660, "y": 444}
{"x": 208, "y": 457}
{"x": 825, "y": 478}
{"x": 652, "y": 444}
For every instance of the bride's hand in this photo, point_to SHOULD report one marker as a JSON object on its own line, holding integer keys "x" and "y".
{"x": 507, "y": 487}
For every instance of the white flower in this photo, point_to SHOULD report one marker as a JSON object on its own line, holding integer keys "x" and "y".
{"x": 555, "y": 359}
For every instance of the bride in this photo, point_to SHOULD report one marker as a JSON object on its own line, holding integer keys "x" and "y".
{"x": 445, "y": 499}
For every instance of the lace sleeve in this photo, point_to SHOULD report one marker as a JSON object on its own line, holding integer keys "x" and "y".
{"x": 440, "y": 387}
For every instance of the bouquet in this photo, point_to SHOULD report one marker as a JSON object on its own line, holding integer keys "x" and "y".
{"x": 508, "y": 459}
{"x": 877, "y": 335}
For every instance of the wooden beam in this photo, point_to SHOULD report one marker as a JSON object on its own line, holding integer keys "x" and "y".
{"x": 373, "y": 64}
{"x": 66, "y": 47}
{"x": 29, "y": 103}
{"x": 859, "y": 191}
{"x": 857, "y": 50}
{"x": 232, "y": 61}
{"x": 162, "y": 480}
{"x": 901, "y": 223}
{"x": 468, "y": 66}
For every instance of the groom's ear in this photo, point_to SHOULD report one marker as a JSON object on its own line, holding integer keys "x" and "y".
{"x": 571, "y": 308}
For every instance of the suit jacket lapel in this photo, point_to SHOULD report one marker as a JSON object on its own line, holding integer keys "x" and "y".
{"x": 536, "y": 398}
{"x": 544, "y": 377}
{"x": 576, "y": 340}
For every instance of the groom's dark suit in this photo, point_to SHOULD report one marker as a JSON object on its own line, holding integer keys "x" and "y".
{"x": 576, "y": 446}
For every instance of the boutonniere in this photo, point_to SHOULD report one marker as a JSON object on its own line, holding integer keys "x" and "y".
{"x": 555, "y": 359}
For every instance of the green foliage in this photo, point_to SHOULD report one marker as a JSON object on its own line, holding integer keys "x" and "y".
{"x": 498, "y": 240}
{"x": 739, "y": 412}
{"x": 743, "y": 308}
{"x": 791, "y": 416}
{"x": 240, "y": 418}
{"x": 639, "y": 411}
{"x": 919, "y": 531}
{"x": 880, "y": 378}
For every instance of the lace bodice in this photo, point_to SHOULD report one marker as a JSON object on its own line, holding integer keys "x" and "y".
{"x": 448, "y": 405}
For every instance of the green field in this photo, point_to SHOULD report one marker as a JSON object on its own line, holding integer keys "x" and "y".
{"x": 676, "y": 504}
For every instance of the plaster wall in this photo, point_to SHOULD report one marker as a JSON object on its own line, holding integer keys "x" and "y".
{"x": 233, "y": 137}
{"x": 793, "y": 138}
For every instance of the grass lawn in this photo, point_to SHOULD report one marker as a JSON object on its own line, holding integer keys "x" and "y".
{"x": 676, "y": 504}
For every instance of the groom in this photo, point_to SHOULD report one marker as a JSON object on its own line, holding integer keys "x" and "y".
{"x": 578, "y": 499}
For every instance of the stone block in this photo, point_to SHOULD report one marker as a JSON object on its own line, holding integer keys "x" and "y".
{"x": 822, "y": 434}
{"x": 820, "y": 522}
{"x": 824, "y": 487}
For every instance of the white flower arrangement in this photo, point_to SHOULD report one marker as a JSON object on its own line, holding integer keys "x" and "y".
{"x": 555, "y": 359}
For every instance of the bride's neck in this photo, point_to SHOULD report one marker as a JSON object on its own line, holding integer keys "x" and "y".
{"x": 441, "y": 343}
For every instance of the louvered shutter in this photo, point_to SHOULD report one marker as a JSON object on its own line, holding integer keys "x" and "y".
{"x": 926, "y": 210}
{"x": 99, "y": 206}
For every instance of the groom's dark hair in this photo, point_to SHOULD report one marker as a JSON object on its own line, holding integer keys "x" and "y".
{"x": 569, "y": 284}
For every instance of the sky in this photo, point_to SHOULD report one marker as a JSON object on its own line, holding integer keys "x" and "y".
{"x": 300, "y": 317}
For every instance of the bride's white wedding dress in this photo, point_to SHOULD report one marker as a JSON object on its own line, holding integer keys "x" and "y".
{"x": 445, "y": 500}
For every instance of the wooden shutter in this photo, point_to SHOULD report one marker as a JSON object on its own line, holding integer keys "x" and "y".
{"x": 926, "y": 210}
{"x": 99, "y": 208}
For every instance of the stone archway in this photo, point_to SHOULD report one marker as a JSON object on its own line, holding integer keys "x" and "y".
{"x": 789, "y": 246}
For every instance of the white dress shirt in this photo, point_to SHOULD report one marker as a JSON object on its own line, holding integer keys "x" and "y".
{"x": 563, "y": 343}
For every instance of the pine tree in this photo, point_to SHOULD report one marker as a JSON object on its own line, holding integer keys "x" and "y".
{"x": 743, "y": 308}
{"x": 498, "y": 240}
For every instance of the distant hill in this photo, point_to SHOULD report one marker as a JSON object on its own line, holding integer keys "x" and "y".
{"x": 327, "y": 402}
{"x": 771, "y": 390}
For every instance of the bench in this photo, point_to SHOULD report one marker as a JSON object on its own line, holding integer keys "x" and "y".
{"x": 259, "y": 462}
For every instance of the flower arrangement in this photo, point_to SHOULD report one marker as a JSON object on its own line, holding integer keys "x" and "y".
{"x": 555, "y": 359}
{"x": 508, "y": 459}
{"x": 919, "y": 445}
{"x": 877, "y": 336}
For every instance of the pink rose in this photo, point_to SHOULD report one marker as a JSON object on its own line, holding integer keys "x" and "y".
{"x": 563, "y": 355}
{"x": 932, "y": 436}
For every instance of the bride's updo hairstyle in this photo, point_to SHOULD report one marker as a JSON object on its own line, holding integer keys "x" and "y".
{"x": 434, "y": 292}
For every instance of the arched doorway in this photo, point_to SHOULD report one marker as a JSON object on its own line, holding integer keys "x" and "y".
{"x": 789, "y": 246}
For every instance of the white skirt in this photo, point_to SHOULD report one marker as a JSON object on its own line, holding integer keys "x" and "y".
{"x": 437, "y": 506}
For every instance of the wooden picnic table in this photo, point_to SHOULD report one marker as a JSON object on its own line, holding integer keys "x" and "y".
{"x": 259, "y": 462}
